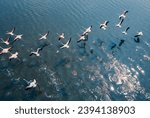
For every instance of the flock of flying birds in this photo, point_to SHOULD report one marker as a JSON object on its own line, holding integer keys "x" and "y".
{"x": 83, "y": 37}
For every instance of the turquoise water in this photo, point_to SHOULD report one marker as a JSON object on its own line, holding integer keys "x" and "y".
{"x": 103, "y": 75}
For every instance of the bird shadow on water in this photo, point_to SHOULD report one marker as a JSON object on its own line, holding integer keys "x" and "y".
{"x": 62, "y": 62}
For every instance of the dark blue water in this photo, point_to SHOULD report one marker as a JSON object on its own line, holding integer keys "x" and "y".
{"x": 75, "y": 73}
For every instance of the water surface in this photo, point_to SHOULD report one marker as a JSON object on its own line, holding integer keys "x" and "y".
{"x": 75, "y": 73}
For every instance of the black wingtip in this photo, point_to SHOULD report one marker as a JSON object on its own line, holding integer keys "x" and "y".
{"x": 30, "y": 54}
{"x": 107, "y": 22}
{"x": 70, "y": 40}
{"x": 78, "y": 41}
{"x": 126, "y": 11}
{"x": 27, "y": 89}
{"x": 14, "y": 29}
